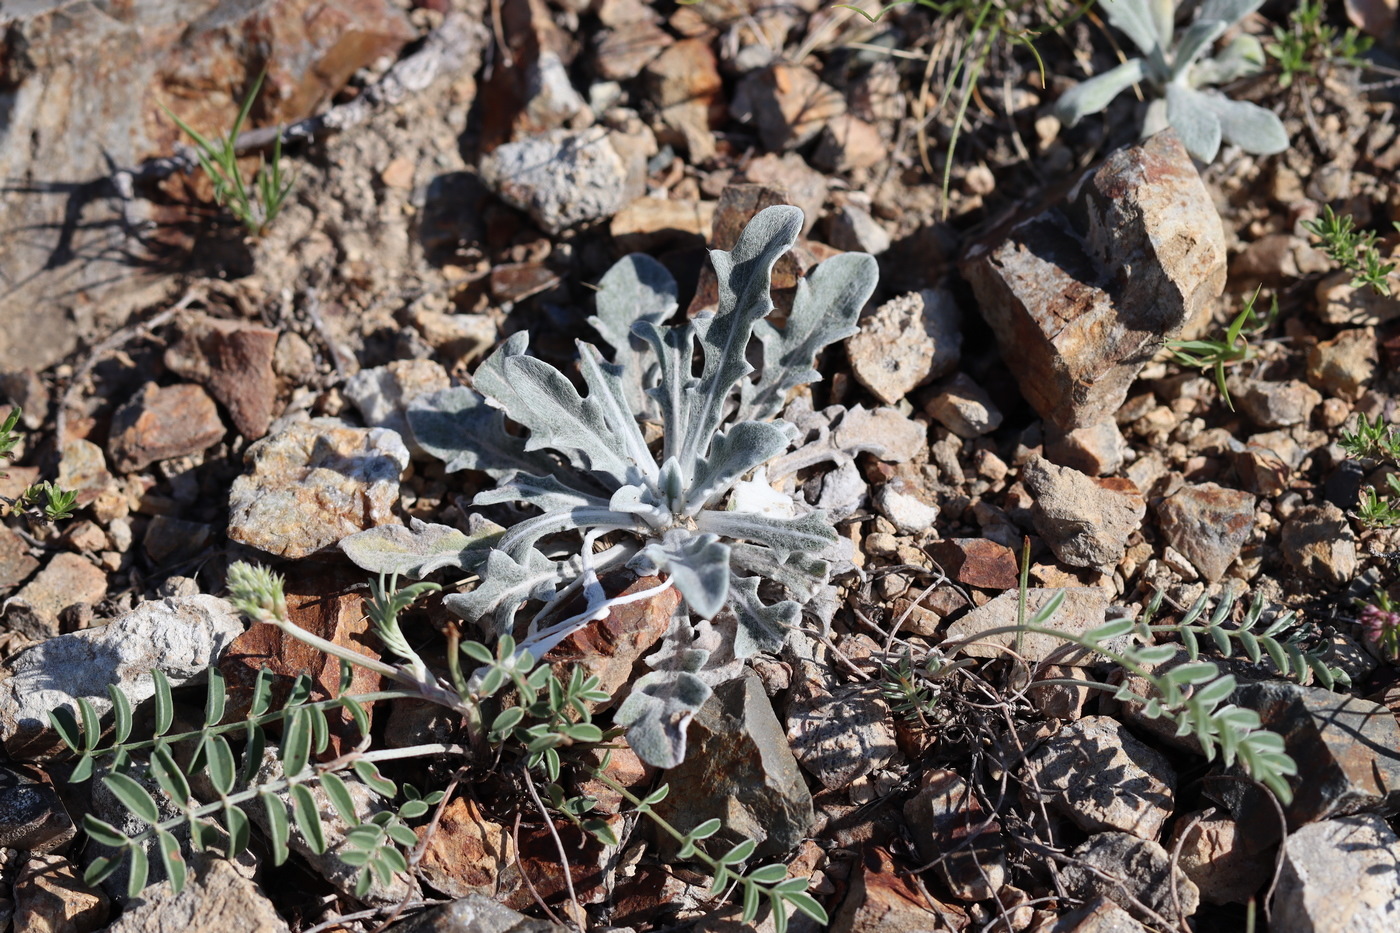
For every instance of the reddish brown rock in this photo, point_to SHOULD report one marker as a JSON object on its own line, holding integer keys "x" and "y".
{"x": 847, "y": 143}
{"x": 686, "y": 88}
{"x": 233, "y": 360}
{"x": 654, "y": 225}
{"x": 160, "y": 423}
{"x": 468, "y": 853}
{"x": 516, "y": 281}
{"x": 882, "y": 898}
{"x": 66, "y": 581}
{"x": 50, "y": 895}
{"x": 1208, "y": 524}
{"x": 631, "y": 38}
{"x": 611, "y": 647}
{"x": 977, "y": 562}
{"x": 1082, "y": 295}
{"x": 326, "y": 605}
{"x": 529, "y": 90}
{"x": 789, "y": 104}
{"x": 16, "y": 564}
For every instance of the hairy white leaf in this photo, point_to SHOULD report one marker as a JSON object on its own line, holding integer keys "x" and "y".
{"x": 1190, "y": 114}
{"x": 457, "y": 426}
{"x": 811, "y": 532}
{"x": 637, "y": 289}
{"x": 419, "y": 549}
{"x": 697, "y": 564}
{"x": 1096, "y": 93}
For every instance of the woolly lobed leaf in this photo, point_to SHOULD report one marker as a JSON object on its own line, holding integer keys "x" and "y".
{"x": 1094, "y": 94}
{"x": 657, "y": 714}
{"x": 1135, "y": 19}
{"x": 459, "y": 427}
{"x": 1190, "y": 114}
{"x": 824, "y": 310}
{"x": 417, "y": 550}
{"x": 637, "y": 289}
{"x": 699, "y": 565}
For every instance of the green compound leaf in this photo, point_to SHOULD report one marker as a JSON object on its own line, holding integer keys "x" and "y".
{"x": 133, "y": 796}
{"x": 308, "y": 817}
{"x": 279, "y": 830}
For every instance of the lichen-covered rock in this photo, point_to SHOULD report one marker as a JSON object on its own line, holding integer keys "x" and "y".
{"x": 907, "y": 342}
{"x": 1339, "y": 875}
{"x": 1086, "y": 521}
{"x": 562, "y": 178}
{"x": 1208, "y": 524}
{"x": 313, "y": 483}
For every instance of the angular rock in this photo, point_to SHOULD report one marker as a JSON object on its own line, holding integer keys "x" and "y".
{"x": 1141, "y": 870}
{"x": 789, "y": 104}
{"x": 314, "y": 483}
{"x": 839, "y": 734}
{"x": 740, "y": 769}
{"x": 562, "y": 178}
{"x": 1341, "y": 874}
{"x": 848, "y": 143}
{"x": 1318, "y": 541}
{"x": 881, "y": 897}
{"x": 1208, "y": 524}
{"x": 458, "y": 337}
{"x": 654, "y": 225}
{"x": 611, "y": 647}
{"x": 806, "y": 187}
{"x": 172, "y": 540}
{"x": 851, "y": 228}
{"x": 1098, "y": 916}
{"x": 50, "y": 895}
{"x": 1261, "y": 470}
{"x": 964, "y": 407}
{"x": 1081, "y": 296}
{"x": 216, "y": 897}
{"x": 976, "y": 562}
{"x": 32, "y": 817}
{"x": 468, "y": 853}
{"x": 329, "y": 606}
{"x": 1218, "y": 855}
{"x": 180, "y": 636}
{"x": 475, "y": 913}
{"x": 1274, "y": 404}
{"x": 1344, "y": 366}
{"x": 630, "y": 40}
{"x": 161, "y": 423}
{"x": 908, "y": 513}
{"x": 1347, "y": 749}
{"x": 1084, "y": 608}
{"x": 686, "y": 88}
{"x": 1341, "y": 303}
{"x": 1095, "y": 450}
{"x": 68, "y": 579}
{"x": 1096, "y": 773}
{"x": 530, "y": 92}
{"x": 907, "y": 342}
{"x": 233, "y": 360}
{"x": 383, "y": 394}
{"x": 81, "y": 468}
{"x": 948, "y": 822}
{"x": 1086, "y": 521}
{"x": 16, "y": 563}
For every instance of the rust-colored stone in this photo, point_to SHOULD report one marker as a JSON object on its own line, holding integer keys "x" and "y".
{"x": 160, "y": 423}
{"x": 234, "y": 361}
{"x": 881, "y": 897}
{"x": 325, "y": 605}
{"x": 977, "y": 562}
{"x": 609, "y": 649}
{"x": 467, "y": 853}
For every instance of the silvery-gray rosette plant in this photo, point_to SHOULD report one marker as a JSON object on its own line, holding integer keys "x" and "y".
{"x": 693, "y": 507}
{"x": 1179, "y": 73}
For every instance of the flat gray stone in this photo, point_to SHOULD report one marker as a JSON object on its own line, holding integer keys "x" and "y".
{"x": 1340, "y": 876}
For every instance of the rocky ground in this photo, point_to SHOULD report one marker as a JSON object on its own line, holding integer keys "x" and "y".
{"x": 465, "y": 171}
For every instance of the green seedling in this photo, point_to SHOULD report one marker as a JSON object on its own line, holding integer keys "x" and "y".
{"x": 1233, "y": 348}
{"x": 1354, "y": 250}
{"x": 1309, "y": 40}
{"x": 43, "y": 500}
{"x": 256, "y": 204}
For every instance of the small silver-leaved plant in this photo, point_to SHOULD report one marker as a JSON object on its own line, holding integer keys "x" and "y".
{"x": 693, "y": 507}
{"x": 1178, "y": 71}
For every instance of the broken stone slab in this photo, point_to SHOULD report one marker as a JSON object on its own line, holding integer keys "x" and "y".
{"x": 563, "y": 178}
{"x": 32, "y": 816}
{"x": 789, "y": 104}
{"x": 1098, "y": 774}
{"x": 180, "y": 636}
{"x": 1098, "y": 916}
{"x": 1208, "y": 524}
{"x": 49, "y": 894}
{"x": 948, "y": 822}
{"x": 1096, "y": 450}
{"x": 1220, "y": 857}
{"x": 313, "y": 483}
{"x": 1345, "y": 365}
{"x": 67, "y": 580}
{"x": 531, "y": 93}
{"x": 234, "y": 361}
{"x": 1084, "y": 608}
{"x": 881, "y": 897}
{"x": 1083, "y": 294}
{"x": 976, "y": 562}
{"x": 1339, "y": 875}
{"x": 685, "y": 86}
{"x": 1318, "y": 541}
{"x": 851, "y": 228}
{"x": 907, "y": 342}
{"x": 1086, "y": 521}
{"x": 630, "y": 39}
{"x": 1141, "y": 872}
{"x": 964, "y": 407}
{"x": 160, "y": 423}
{"x": 1347, "y": 749}
{"x": 740, "y": 769}
{"x": 217, "y": 896}
{"x": 907, "y": 512}
{"x": 1274, "y": 404}
{"x": 468, "y": 853}
{"x": 838, "y": 733}
{"x": 475, "y": 913}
